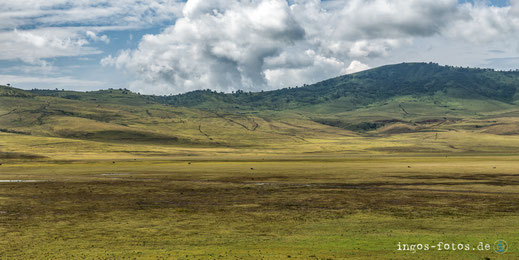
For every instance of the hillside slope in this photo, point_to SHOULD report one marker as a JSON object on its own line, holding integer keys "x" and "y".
{"x": 122, "y": 116}
{"x": 408, "y": 107}
{"x": 367, "y": 87}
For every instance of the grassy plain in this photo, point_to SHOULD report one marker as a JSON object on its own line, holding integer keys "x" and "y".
{"x": 127, "y": 201}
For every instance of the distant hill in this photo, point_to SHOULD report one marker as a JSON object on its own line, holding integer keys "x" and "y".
{"x": 385, "y": 101}
{"x": 367, "y": 87}
{"x": 353, "y": 91}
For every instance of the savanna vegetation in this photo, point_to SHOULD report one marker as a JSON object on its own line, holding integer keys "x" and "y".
{"x": 343, "y": 169}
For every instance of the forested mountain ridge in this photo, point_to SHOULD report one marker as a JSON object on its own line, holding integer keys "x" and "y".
{"x": 418, "y": 79}
{"x": 358, "y": 89}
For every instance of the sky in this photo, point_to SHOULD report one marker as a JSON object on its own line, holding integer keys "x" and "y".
{"x": 172, "y": 46}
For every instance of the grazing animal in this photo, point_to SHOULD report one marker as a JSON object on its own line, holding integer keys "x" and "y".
{"x": 408, "y": 166}
{"x": 252, "y": 168}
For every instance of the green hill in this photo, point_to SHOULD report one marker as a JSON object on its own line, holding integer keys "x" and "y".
{"x": 409, "y": 93}
{"x": 364, "y": 88}
{"x": 392, "y": 100}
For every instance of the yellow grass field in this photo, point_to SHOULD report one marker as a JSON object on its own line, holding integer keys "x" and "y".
{"x": 326, "y": 198}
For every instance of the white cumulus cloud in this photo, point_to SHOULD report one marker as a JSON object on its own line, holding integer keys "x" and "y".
{"x": 267, "y": 44}
{"x": 356, "y": 66}
{"x": 221, "y": 45}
